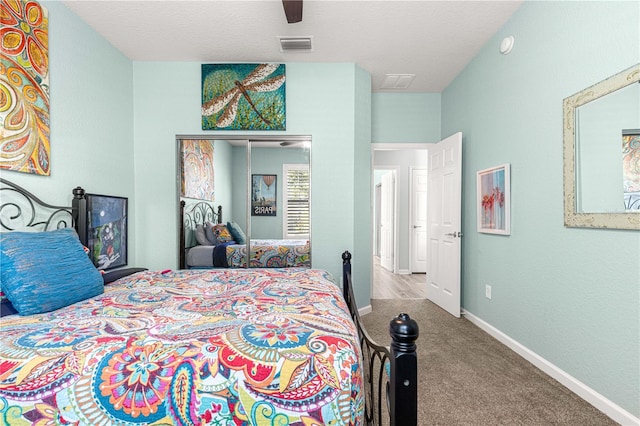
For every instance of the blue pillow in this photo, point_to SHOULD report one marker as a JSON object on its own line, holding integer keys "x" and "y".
{"x": 237, "y": 233}
{"x": 45, "y": 271}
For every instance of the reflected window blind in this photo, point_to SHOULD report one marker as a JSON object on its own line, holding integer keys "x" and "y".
{"x": 296, "y": 199}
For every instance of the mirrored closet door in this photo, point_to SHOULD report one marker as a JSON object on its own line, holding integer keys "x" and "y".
{"x": 263, "y": 189}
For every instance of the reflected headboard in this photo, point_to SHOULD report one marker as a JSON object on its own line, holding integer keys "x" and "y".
{"x": 191, "y": 216}
{"x": 21, "y": 210}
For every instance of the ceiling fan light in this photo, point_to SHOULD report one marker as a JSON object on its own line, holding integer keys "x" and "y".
{"x": 296, "y": 44}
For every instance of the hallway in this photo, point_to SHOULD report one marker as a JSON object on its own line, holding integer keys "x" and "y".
{"x": 387, "y": 285}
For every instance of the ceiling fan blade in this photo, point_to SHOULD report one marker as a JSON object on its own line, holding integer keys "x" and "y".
{"x": 293, "y": 10}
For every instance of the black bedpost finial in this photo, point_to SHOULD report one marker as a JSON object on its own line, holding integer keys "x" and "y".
{"x": 346, "y": 276}
{"x": 78, "y": 192}
{"x": 79, "y": 214}
{"x": 403, "y": 395}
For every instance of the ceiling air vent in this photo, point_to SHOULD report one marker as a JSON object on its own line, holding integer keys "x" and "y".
{"x": 296, "y": 44}
{"x": 397, "y": 81}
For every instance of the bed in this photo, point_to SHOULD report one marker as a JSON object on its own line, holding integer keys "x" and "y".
{"x": 208, "y": 242}
{"x": 200, "y": 347}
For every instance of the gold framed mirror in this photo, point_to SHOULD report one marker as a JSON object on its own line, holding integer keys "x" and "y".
{"x": 598, "y": 122}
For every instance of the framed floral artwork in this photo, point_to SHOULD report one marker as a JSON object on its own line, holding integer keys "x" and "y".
{"x": 494, "y": 200}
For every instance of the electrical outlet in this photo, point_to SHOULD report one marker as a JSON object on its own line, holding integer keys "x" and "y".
{"x": 487, "y": 291}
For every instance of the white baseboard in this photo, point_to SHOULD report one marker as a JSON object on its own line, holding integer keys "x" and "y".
{"x": 404, "y": 272}
{"x": 603, "y": 404}
{"x": 364, "y": 311}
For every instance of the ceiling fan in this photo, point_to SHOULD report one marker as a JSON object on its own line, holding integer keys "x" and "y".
{"x": 293, "y": 10}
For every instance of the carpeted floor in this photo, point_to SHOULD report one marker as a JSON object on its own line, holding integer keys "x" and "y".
{"x": 466, "y": 377}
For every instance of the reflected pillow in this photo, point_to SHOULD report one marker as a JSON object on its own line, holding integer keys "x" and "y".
{"x": 201, "y": 236}
{"x": 45, "y": 271}
{"x": 236, "y": 233}
{"x": 208, "y": 232}
{"x": 222, "y": 233}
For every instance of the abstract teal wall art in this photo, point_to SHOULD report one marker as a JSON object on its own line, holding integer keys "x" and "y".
{"x": 243, "y": 97}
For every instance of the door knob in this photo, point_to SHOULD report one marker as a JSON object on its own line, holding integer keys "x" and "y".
{"x": 454, "y": 234}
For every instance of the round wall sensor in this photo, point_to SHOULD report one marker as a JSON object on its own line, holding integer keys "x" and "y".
{"x": 506, "y": 45}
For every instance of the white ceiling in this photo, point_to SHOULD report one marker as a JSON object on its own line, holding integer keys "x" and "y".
{"x": 433, "y": 39}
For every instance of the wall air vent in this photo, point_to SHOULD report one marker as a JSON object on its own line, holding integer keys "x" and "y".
{"x": 296, "y": 44}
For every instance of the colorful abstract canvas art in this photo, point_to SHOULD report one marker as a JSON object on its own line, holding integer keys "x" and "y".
{"x": 24, "y": 87}
{"x": 243, "y": 97}
{"x": 197, "y": 169}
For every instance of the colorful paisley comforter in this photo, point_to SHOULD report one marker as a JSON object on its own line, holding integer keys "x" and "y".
{"x": 269, "y": 254}
{"x": 217, "y": 347}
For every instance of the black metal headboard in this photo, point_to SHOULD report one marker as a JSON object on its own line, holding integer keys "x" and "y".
{"x": 190, "y": 217}
{"x": 20, "y": 209}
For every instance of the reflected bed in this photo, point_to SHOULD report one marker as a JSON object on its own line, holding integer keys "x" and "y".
{"x": 201, "y": 247}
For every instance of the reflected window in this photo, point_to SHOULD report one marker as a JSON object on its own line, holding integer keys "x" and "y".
{"x": 296, "y": 201}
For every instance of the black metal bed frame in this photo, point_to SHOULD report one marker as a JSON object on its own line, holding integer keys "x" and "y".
{"x": 397, "y": 365}
{"x": 191, "y": 216}
{"x": 25, "y": 209}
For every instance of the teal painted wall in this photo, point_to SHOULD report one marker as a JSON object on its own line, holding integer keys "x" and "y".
{"x": 91, "y": 117}
{"x": 362, "y": 197}
{"x": 321, "y": 100}
{"x": 570, "y": 295}
{"x": 223, "y": 176}
{"x": 240, "y": 187}
{"x": 405, "y": 117}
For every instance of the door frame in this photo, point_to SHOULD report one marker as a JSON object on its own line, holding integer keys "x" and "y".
{"x": 376, "y": 218}
{"x": 381, "y": 147}
{"x": 412, "y": 218}
{"x": 393, "y": 169}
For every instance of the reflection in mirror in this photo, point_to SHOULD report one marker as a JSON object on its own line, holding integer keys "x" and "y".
{"x": 277, "y": 235}
{"x": 213, "y": 167}
{"x": 280, "y": 203}
{"x": 601, "y": 128}
{"x": 602, "y": 154}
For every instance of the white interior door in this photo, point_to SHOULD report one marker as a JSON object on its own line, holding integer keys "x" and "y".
{"x": 418, "y": 229}
{"x": 387, "y": 222}
{"x": 444, "y": 223}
